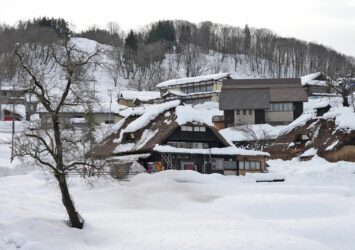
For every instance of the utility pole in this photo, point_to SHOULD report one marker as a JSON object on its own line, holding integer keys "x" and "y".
{"x": 13, "y": 121}
{"x": 109, "y": 114}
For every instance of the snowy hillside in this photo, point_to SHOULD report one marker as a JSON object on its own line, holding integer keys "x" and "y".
{"x": 105, "y": 82}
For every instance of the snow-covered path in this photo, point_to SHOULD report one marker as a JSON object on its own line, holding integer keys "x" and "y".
{"x": 313, "y": 209}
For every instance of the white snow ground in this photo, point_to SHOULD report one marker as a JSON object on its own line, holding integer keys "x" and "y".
{"x": 313, "y": 209}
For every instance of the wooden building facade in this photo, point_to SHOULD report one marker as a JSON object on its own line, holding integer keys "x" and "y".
{"x": 260, "y": 101}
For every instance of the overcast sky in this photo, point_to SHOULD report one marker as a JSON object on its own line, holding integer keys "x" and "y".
{"x": 329, "y": 22}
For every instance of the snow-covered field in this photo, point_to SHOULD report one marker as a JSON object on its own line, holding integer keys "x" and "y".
{"x": 313, "y": 209}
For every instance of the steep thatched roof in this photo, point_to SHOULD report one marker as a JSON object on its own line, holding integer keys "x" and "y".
{"x": 323, "y": 136}
{"x": 138, "y": 134}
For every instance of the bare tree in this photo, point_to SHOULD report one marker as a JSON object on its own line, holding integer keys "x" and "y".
{"x": 115, "y": 67}
{"x": 60, "y": 80}
{"x": 194, "y": 61}
{"x": 344, "y": 86}
{"x": 258, "y": 137}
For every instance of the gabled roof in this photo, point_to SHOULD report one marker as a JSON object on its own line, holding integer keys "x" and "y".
{"x": 143, "y": 96}
{"x": 258, "y": 93}
{"x": 324, "y": 137}
{"x": 196, "y": 79}
{"x": 149, "y": 129}
{"x": 315, "y": 79}
{"x": 244, "y": 99}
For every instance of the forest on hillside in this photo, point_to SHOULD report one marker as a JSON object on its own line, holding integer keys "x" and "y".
{"x": 168, "y": 49}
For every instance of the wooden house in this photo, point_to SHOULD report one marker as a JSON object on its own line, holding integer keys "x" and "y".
{"x": 16, "y": 96}
{"x": 9, "y": 115}
{"x": 193, "y": 90}
{"x": 133, "y": 98}
{"x": 173, "y": 136}
{"x": 260, "y": 101}
{"x": 76, "y": 116}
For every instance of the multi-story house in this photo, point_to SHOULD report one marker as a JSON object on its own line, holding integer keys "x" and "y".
{"x": 193, "y": 90}
{"x": 259, "y": 101}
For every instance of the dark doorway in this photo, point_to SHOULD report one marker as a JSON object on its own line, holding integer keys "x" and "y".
{"x": 259, "y": 116}
{"x": 228, "y": 118}
{"x": 298, "y": 109}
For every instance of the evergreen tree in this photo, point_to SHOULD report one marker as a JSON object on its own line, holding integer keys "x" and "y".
{"x": 246, "y": 39}
{"x": 162, "y": 31}
{"x": 185, "y": 35}
{"x": 131, "y": 41}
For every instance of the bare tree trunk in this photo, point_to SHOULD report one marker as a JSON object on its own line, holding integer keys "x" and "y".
{"x": 345, "y": 101}
{"x": 74, "y": 217}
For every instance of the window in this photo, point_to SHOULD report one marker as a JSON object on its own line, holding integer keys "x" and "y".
{"x": 172, "y": 144}
{"x": 250, "y": 111}
{"x": 238, "y": 112}
{"x": 230, "y": 165}
{"x": 48, "y": 120}
{"x": 244, "y": 111}
{"x": 128, "y": 136}
{"x": 217, "y": 164}
{"x": 186, "y": 128}
{"x": 193, "y": 128}
{"x": 109, "y": 122}
{"x": 183, "y": 144}
{"x": 199, "y": 129}
{"x": 241, "y": 165}
{"x": 249, "y": 165}
{"x": 197, "y": 145}
{"x": 285, "y": 106}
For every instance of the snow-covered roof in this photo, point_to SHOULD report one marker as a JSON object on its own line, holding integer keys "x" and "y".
{"x": 300, "y": 121}
{"x": 215, "y": 151}
{"x": 321, "y": 102}
{"x": 251, "y": 132}
{"x": 140, "y": 95}
{"x": 182, "y": 94}
{"x": 150, "y": 114}
{"x": 187, "y": 114}
{"x": 311, "y": 79}
{"x": 152, "y": 127}
{"x": 19, "y": 109}
{"x": 213, "y": 77}
{"x": 184, "y": 114}
{"x": 309, "y": 152}
{"x": 132, "y": 111}
{"x": 102, "y": 107}
{"x": 344, "y": 117}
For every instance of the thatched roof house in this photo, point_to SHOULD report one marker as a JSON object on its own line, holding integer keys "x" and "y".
{"x": 173, "y": 136}
{"x": 331, "y": 136}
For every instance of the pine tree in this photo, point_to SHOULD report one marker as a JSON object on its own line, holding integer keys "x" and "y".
{"x": 246, "y": 40}
{"x": 131, "y": 41}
